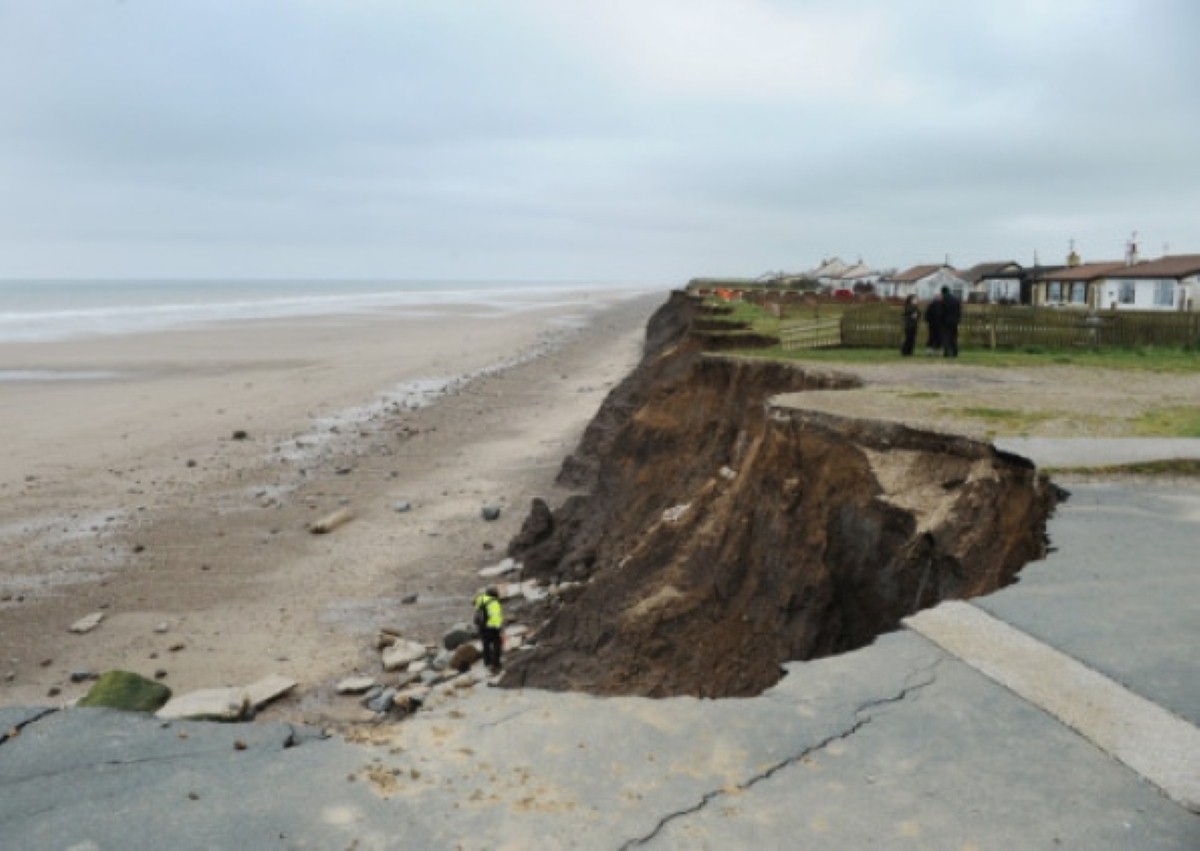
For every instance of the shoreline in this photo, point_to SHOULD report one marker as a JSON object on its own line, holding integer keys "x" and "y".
{"x": 175, "y": 526}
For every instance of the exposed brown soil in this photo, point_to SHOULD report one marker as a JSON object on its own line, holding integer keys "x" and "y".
{"x": 721, "y": 536}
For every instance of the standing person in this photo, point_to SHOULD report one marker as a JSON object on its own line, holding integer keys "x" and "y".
{"x": 951, "y": 315}
{"x": 933, "y": 318}
{"x": 912, "y": 318}
{"x": 489, "y": 619}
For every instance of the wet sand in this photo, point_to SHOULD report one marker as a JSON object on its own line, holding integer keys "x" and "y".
{"x": 126, "y": 492}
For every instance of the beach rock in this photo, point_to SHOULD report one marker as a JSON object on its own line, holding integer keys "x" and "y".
{"x": 126, "y": 691}
{"x": 241, "y": 434}
{"x": 211, "y": 704}
{"x": 83, "y": 676}
{"x": 508, "y": 590}
{"x": 533, "y": 592}
{"x": 728, "y": 473}
{"x": 401, "y": 654}
{"x": 459, "y": 634}
{"x": 383, "y": 702}
{"x": 269, "y": 688}
{"x": 87, "y": 624}
{"x": 441, "y": 660}
{"x": 505, "y": 567}
{"x": 412, "y": 699}
{"x": 417, "y": 667}
{"x": 464, "y": 657}
{"x": 673, "y": 514}
{"x": 490, "y": 512}
{"x": 409, "y": 599}
{"x": 401, "y": 506}
{"x": 355, "y": 685}
{"x": 516, "y": 630}
{"x": 161, "y": 628}
{"x": 371, "y": 693}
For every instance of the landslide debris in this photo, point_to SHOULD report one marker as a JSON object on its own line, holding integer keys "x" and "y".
{"x": 720, "y": 536}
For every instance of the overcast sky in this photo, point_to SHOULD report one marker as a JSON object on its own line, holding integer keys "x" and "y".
{"x": 560, "y": 139}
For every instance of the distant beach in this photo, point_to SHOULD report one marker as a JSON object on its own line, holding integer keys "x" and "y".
{"x": 124, "y": 490}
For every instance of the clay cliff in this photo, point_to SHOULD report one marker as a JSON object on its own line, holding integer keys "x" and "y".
{"x": 718, "y": 535}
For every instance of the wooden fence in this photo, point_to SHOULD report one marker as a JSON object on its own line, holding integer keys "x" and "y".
{"x": 998, "y": 326}
{"x": 811, "y": 334}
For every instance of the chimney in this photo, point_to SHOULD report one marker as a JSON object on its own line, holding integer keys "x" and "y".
{"x": 1131, "y": 251}
{"x": 1073, "y": 257}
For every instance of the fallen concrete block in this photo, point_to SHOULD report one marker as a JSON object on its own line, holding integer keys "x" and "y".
{"x": 269, "y": 688}
{"x": 211, "y": 704}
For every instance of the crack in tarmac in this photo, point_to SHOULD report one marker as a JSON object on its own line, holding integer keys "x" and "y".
{"x": 858, "y": 724}
{"x": 5, "y": 735}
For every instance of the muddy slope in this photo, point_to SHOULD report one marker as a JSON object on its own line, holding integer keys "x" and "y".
{"x": 721, "y": 536}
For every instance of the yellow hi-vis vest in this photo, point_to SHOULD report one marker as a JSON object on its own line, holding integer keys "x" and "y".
{"x": 495, "y": 615}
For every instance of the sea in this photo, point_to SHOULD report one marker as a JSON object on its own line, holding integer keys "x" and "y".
{"x": 51, "y": 310}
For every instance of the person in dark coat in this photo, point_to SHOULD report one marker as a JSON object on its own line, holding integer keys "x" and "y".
{"x": 933, "y": 319}
{"x": 951, "y": 315}
{"x": 912, "y": 319}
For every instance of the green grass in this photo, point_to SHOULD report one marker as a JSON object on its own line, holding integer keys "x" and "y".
{"x": 1175, "y": 467}
{"x": 1157, "y": 360}
{"x": 1182, "y": 421}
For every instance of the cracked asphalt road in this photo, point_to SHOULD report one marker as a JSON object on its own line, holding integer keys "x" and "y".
{"x": 896, "y": 744}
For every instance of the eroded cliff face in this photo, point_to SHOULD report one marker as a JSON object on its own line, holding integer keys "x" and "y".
{"x": 721, "y": 536}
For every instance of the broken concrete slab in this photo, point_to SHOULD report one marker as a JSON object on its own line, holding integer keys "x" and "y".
{"x": 211, "y": 704}
{"x": 269, "y": 688}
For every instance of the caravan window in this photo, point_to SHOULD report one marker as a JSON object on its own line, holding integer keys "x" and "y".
{"x": 1164, "y": 293}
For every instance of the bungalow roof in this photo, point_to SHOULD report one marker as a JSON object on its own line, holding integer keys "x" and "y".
{"x": 1002, "y": 269}
{"x": 858, "y": 270}
{"x": 1084, "y": 272}
{"x": 916, "y": 273}
{"x": 1176, "y": 266}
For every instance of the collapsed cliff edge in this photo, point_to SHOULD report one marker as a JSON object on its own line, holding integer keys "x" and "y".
{"x": 717, "y": 536}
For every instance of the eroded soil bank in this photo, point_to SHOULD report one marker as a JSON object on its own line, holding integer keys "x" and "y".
{"x": 720, "y": 535}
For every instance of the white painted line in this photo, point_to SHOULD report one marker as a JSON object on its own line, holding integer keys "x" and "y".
{"x": 1158, "y": 745}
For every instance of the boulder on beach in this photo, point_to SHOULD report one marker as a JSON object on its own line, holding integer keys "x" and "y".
{"x": 464, "y": 657}
{"x": 500, "y": 569}
{"x": 401, "y": 653}
{"x": 126, "y": 691}
{"x": 355, "y": 685}
{"x": 459, "y": 634}
{"x": 490, "y": 512}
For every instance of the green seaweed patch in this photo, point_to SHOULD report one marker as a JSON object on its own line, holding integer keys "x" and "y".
{"x": 126, "y": 691}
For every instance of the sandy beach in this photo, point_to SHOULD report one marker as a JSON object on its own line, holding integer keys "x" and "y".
{"x": 124, "y": 490}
